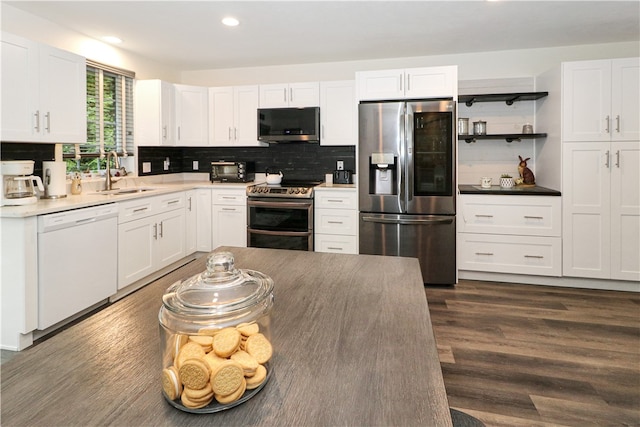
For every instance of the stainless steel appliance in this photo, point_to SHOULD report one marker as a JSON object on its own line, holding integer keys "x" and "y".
{"x": 407, "y": 181}
{"x": 232, "y": 171}
{"x": 289, "y": 124}
{"x": 281, "y": 216}
{"x": 18, "y": 183}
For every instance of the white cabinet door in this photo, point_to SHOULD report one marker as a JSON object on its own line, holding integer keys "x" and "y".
{"x": 171, "y": 237}
{"x": 192, "y": 118}
{"x": 431, "y": 82}
{"x": 290, "y": 95}
{"x": 154, "y": 109}
{"x": 245, "y": 111}
{"x": 379, "y": 85}
{"x": 625, "y": 211}
{"x": 63, "y": 96}
{"x": 586, "y": 210}
{"x": 191, "y": 222}
{"x": 338, "y": 113}
{"x": 625, "y": 99}
{"x": 43, "y": 93}
{"x": 20, "y": 88}
{"x": 586, "y": 101}
{"x": 221, "y": 124}
{"x": 204, "y": 219}
{"x": 136, "y": 241}
{"x": 229, "y": 226}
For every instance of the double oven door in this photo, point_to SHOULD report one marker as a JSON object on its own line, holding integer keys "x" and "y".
{"x": 280, "y": 223}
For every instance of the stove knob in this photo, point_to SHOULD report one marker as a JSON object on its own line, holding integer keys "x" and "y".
{"x": 303, "y": 190}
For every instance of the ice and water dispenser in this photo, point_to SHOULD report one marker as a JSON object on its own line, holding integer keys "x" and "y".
{"x": 383, "y": 176}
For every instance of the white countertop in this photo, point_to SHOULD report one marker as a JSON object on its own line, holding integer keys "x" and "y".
{"x": 90, "y": 198}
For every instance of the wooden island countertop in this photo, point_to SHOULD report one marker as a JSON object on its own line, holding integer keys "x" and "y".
{"x": 353, "y": 346}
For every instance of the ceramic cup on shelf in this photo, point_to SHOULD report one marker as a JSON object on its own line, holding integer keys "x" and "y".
{"x": 527, "y": 129}
{"x": 485, "y": 182}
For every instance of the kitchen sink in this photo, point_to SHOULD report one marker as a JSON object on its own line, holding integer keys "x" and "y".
{"x": 122, "y": 191}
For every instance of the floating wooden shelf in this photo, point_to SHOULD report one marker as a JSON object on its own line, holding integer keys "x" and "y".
{"x": 510, "y": 137}
{"x": 509, "y": 98}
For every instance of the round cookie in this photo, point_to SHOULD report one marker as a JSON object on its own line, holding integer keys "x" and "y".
{"x": 204, "y": 340}
{"x": 194, "y": 373}
{"x": 199, "y": 396}
{"x": 227, "y": 378}
{"x": 258, "y": 378}
{"x": 248, "y": 362}
{"x": 259, "y": 347}
{"x": 248, "y": 329}
{"x": 224, "y": 400}
{"x": 193, "y": 405}
{"x": 226, "y": 342}
{"x": 190, "y": 350}
{"x": 178, "y": 341}
{"x": 171, "y": 383}
{"x": 213, "y": 360}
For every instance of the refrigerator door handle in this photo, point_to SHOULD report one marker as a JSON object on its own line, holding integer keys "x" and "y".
{"x": 406, "y": 221}
{"x": 402, "y": 164}
{"x": 408, "y": 143}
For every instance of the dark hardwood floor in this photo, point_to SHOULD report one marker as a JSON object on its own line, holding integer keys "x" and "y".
{"x": 524, "y": 355}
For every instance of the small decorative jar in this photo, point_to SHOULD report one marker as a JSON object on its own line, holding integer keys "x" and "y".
{"x": 215, "y": 337}
{"x": 506, "y": 181}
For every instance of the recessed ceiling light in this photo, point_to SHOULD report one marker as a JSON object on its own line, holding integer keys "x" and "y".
{"x": 230, "y": 21}
{"x": 112, "y": 39}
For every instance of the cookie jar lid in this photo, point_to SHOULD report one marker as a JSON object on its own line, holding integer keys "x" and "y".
{"x": 220, "y": 291}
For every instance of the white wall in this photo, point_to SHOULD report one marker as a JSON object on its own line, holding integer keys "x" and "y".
{"x": 32, "y": 27}
{"x": 485, "y": 65}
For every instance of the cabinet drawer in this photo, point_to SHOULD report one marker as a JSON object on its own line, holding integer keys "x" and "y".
{"x": 510, "y": 254}
{"x": 336, "y": 221}
{"x": 229, "y": 197}
{"x": 336, "y": 244}
{"x": 169, "y": 202}
{"x": 336, "y": 199}
{"x": 135, "y": 209}
{"x": 516, "y": 215}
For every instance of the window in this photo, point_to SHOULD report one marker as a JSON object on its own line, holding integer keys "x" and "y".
{"x": 109, "y": 119}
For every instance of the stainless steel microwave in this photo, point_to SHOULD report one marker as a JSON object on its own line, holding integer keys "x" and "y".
{"x": 289, "y": 124}
{"x": 232, "y": 171}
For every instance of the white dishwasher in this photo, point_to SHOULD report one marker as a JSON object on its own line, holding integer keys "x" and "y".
{"x": 77, "y": 261}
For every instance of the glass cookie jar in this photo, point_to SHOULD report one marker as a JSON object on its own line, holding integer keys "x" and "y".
{"x": 215, "y": 337}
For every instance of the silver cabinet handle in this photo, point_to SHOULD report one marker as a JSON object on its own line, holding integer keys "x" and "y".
{"x": 230, "y": 133}
{"x": 155, "y": 231}
{"x": 534, "y": 256}
{"x": 334, "y": 200}
{"x": 333, "y": 248}
{"x": 48, "y": 119}
{"x": 408, "y": 82}
{"x": 37, "y": 116}
{"x": 235, "y": 134}
{"x": 140, "y": 209}
{"x": 285, "y": 94}
{"x": 229, "y": 209}
{"x": 533, "y": 217}
{"x": 485, "y": 253}
{"x": 607, "y": 120}
{"x": 483, "y": 216}
{"x": 335, "y": 222}
{"x": 161, "y": 228}
{"x": 606, "y": 163}
{"x": 291, "y": 94}
{"x": 178, "y": 133}
{"x": 401, "y": 82}
{"x": 618, "y": 159}
{"x": 618, "y": 123}
{"x": 173, "y": 202}
{"x": 189, "y": 204}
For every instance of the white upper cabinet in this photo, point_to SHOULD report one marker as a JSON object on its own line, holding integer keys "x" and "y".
{"x": 43, "y": 93}
{"x": 290, "y": 95}
{"x": 154, "y": 113}
{"x": 600, "y": 100}
{"x": 338, "y": 113}
{"x": 192, "y": 115}
{"x": 234, "y": 116}
{"x": 410, "y": 83}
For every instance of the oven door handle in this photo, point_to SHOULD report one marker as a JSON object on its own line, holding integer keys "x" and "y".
{"x": 279, "y": 204}
{"x": 404, "y": 221}
{"x": 279, "y": 233}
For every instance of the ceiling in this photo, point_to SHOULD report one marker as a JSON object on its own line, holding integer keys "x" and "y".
{"x": 188, "y": 35}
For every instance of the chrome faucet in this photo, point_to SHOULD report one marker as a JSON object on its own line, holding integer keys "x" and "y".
{"x": 108, "y": 183}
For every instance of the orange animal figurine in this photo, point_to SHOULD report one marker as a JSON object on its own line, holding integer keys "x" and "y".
{"x": 525, "y": 173}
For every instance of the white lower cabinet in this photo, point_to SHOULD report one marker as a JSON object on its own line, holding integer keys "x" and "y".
{"x": 191, "y": 222}
{"x": 203, "y": 220}
{"x": 335, "y": 220}
{"x": 228, "y": 217}
{"x": 510, "y": 234}
{"x": 151, "y": 235}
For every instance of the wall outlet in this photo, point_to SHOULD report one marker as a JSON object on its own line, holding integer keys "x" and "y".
{"x": 195, "y": 165}
{"x": 167, "y": 162}
{"x": 340, "y": 165}
{"x": 146, "y": 167}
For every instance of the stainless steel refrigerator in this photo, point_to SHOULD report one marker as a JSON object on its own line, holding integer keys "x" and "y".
{"x": 407, "y": 184}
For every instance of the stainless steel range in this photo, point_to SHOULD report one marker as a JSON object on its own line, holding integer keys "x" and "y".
{"x": 281, "y": 216}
